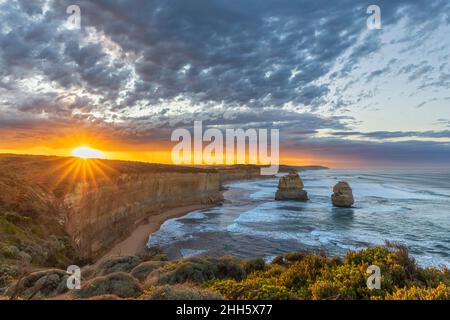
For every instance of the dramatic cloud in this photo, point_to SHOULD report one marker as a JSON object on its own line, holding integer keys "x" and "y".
{"x": 141, "y": 68}
{"x": 395, "y": 134}
{"x": 402, "y": 155}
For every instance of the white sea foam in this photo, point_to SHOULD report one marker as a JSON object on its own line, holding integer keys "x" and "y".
{"x": 191, "y": 252}
{"x": 390, "y": 207}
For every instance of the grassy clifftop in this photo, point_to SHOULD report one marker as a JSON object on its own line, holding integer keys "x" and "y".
{"x": 31, "y": 232}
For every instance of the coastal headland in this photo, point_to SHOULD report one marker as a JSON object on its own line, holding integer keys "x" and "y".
{"x": 97, "y": 214}
{"x": 56, "y": 210}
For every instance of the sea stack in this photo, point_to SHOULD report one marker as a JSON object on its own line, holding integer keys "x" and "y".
{"x": 290, "y": 187}
{"x": 342, "y": 195}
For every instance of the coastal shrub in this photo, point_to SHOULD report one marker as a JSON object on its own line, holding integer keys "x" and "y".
{"x": 278, "y": 260}
{"x": 9, "y": 252}
{"x": 88, "y": 271}
{"x": 252, "y": 265}
{"x": 314, "y": 276}
{"x": 253, "y": 288}
{"x": 303, "y": 272}
{"x": 154, "y": 254}
{"x": 197, "y": 270}
{"x": 179, "y": 292}
{"x": 8, "y": 228}
{"x": 120, "y": 284}
{"x": 370, "y": 256}
{"x": 28, "y": 242}
{"x": 105, "y": 297}
{"x": 274, "y": 271}
{"x": 294, "y": 256}
{"x": 119, "y": 264}
{"x": 304, "y": 275}
{"x": 142, "y": 270}
{"x": 323, "y": 289}
{"x": 441, "y": 292}
{"x": 40, "y": 284}
{"x": 433, "y": 276}
{"x": 347, "y": 280}
{"x": 400, "y": 256}
{"x": 7, "y": 274}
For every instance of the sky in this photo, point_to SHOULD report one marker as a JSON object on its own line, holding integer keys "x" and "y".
{"x": 340, "y": 94}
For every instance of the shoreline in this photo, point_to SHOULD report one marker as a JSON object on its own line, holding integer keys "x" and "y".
{"x": 135, "y": 243}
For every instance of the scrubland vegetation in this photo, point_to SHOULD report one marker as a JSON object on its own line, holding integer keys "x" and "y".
{"x": 300, "y": 275}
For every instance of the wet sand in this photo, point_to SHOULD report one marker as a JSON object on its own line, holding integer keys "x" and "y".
{"x": 136, "y": 243}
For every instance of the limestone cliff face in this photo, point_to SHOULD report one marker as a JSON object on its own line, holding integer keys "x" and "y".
{"x": 100, "y": 216}
{"x": 239, "y": 172}
{"x": 66, "y": 208}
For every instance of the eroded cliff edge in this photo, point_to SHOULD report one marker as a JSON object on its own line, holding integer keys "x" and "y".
{"x": 100, "y": 216}
{"x": 54, "y": 209}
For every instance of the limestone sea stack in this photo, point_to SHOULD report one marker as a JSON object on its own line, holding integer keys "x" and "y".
{"x": 290, "y": 187}
{"x": 342, "y": 195}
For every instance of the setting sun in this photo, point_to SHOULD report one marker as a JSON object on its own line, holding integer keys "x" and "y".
{"x": 87, "y": 153}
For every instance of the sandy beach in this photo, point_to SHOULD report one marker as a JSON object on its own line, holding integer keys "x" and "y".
{"x": 135, "y": 244}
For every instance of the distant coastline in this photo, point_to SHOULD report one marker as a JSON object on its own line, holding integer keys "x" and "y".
{"x": 94, "y": 213}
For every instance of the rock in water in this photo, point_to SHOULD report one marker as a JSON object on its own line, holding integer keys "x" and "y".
{"x": 290, "y": 187}
{"x": 342, "y": 195}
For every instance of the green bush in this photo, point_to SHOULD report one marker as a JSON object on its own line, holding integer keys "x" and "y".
{"x": 254, "y": 288}
{"x": 323, "y": 289}
{"x": 441, "y": 292}
{"x": 197, "y": 270}
{"x": 303, "y": 272}
{"x": 304, "y": 275}
{"x": 119, "y": 264}
{"x": 142, "y": 270}
{"x": 314, "y": 276}
{"x": 7, "y": 274}
{"x": 253, "y": 265}
{"x": 120, "y": 284}
{"x": 40, "y": 284}
{"x": 179, "y": 292}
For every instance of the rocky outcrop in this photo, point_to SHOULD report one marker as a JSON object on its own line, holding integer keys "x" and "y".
{"x": 342, "y": 195}
{"x": 290, "y": 187}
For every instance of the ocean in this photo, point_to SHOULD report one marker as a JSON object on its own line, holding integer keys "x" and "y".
{"x": 405, "y": 206}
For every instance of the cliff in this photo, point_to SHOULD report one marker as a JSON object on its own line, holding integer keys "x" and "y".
{"x": 100, "y": 216}
{"x": 286, "y": 168}
{"x": 53, "y": 208}
{"x": 239, "y": 172}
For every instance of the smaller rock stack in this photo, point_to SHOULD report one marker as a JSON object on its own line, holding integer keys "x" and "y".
{"x": 290, "y": 187}
{"x": 342, "y": 195}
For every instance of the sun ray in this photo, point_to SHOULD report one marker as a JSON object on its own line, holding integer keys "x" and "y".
{"x": 63, "y": 175}
{"x": 96, "y": 166}
{"x": 67, "y": 167}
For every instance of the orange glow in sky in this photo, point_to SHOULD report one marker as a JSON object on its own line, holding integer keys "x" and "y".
{"x": 86, "y": 152}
